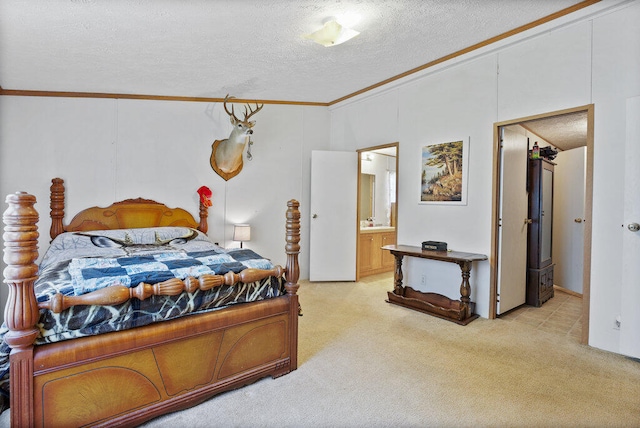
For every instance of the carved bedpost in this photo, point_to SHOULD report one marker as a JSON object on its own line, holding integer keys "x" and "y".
{"x": 21, "y": 312}
{"x": 57, "y": 207}
{"x": 205, "y": 202}
{"x": 292, "y": 275}
{"x": 204, "y": 215}
{"x": 293, "y": 247}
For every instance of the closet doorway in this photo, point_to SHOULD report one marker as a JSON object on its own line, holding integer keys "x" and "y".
{"x": 565, "y": 130}
{"x": 377, "y": 210}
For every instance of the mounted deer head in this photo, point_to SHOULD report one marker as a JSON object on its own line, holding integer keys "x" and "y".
{"x": 226, "y": 155}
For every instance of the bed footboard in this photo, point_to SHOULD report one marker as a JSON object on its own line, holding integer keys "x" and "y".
{"x": 117, "y": 294}
{"x": 166, "y": 366}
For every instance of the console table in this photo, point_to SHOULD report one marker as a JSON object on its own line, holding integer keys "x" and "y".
{"x": 459, "y": 311}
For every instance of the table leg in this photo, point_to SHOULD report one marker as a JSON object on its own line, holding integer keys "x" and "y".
{"x": 465, "y": 288}
{"x": 397, "y": 276}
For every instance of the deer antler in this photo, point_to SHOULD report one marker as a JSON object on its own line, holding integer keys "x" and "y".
{"x": 251, "y": 111}
{"x": 230, "y": 113}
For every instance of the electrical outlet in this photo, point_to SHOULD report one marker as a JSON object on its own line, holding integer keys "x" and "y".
{"x": 616, "y": 322}
{"x": 424, "y": 280}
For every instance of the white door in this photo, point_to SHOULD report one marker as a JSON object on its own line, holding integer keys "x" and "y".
{"x": 630, "y": 315}
{"x": 568, "y": 218}
{"x": 334, "y": 193}
{"x": 512, "y": 233}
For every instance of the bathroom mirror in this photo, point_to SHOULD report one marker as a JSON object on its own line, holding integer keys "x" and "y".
{"x": 378, "y": 186}
{"x": 367, "y": 196}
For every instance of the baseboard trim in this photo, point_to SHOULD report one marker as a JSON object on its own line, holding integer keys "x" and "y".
{"x": 566, "y": 291}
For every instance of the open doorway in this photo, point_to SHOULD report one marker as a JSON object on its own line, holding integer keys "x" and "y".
{"x": 377, "y": 208}
{"x": 565, "y": 130}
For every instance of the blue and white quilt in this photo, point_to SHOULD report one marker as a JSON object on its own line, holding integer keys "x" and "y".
{"x": 90, "y": 274}
{"x": 98, "y": 259}
{"x": 80, "y": 262}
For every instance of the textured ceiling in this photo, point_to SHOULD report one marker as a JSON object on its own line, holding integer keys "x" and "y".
{"x": 566, "y": 131}
{"x": 250, "y": 49}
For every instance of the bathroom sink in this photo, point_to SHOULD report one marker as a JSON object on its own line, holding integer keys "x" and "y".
{"x": 377, "y": 229}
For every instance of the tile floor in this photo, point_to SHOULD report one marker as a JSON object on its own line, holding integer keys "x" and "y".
{"x": 562, "y": 314}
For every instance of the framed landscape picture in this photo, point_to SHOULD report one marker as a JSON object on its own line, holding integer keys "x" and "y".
{"x": 443, "y": 170}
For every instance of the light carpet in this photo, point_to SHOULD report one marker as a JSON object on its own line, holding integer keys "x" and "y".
{"x": 366, "y": 363}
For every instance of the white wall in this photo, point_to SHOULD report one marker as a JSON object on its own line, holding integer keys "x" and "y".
{"x": 594, "y": 60}
{"x": 616, "y": 77}
{"x": 425, "y": 112}
{"x": 108, "y": 150}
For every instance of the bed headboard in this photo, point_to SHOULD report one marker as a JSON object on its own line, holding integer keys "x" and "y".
{"x": 128, "y": 214}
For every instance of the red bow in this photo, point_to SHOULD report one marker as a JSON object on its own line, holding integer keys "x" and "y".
{"x": 205, "y": 196}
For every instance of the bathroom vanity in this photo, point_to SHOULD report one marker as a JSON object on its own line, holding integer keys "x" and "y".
{"x": 371, "y": 258}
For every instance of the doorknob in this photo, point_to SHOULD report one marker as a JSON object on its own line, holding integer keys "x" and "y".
{"x": 577, "y": 220}
{"x": 634, "y": 227}
{"x": 315, "y": 216}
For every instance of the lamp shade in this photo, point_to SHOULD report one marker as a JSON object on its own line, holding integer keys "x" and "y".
{"x": 242, "y": 232}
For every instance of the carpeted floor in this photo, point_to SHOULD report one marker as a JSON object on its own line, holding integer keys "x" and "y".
{"x": 366, "y": 363}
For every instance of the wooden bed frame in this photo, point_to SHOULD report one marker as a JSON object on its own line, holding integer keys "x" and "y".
{"x": 127, "y": 377}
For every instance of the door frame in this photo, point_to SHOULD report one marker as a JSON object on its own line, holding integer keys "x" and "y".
{"x": 395, "y": 145}
{"x": 588, "y": 202}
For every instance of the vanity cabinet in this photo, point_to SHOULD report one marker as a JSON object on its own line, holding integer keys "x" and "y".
{"x": 371, "y": 258}
{"x": 388, "y": 261}
{"x": 539, "y": 258}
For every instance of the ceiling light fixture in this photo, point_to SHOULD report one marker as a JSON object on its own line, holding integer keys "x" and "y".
{"x": 332, "y": 34}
